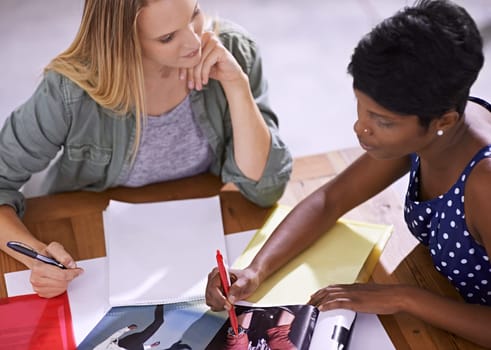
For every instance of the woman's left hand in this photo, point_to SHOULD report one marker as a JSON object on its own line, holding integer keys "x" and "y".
{"x": 381, "y": 299}
{"x": 216, "y": 63}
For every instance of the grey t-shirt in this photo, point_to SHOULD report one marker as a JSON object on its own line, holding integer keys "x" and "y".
{"x": 172, "y": 146}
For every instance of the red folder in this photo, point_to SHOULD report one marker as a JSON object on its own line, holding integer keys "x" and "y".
{"x": 30, "y": 322}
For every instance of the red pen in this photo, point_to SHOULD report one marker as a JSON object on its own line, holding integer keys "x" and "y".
{"x": 226, "y": 284}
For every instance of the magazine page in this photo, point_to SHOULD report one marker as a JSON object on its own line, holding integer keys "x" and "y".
{"x": 188, "y": 325}
{"x": 334, "y": 330}
{"x": 278, "y": 327}
{"x": 191, "y": 325}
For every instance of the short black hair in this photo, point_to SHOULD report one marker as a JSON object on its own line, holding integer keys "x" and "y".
{"x": 421, "y": 61}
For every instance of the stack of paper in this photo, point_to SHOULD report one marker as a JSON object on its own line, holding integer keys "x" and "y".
{"x": 161, "y": 252}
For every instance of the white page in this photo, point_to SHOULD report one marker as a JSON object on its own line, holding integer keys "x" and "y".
{"x": 161, "y": 252}
{"x": 369, "y": 333}
{"x": 329, "y": 329}
{"x": 236, "y": 243}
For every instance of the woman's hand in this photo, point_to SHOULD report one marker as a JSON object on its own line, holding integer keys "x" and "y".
{"x": 372, "y": 298}
{"x": 216, "y": 63}
{"x": 49, "y": 281}
{"x": 244, "y": 283}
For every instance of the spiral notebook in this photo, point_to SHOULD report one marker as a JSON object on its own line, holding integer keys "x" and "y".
{"x": 161, "y": 252}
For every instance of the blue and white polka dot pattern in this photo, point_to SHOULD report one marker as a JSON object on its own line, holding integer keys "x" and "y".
{"x": 440, "y": 224}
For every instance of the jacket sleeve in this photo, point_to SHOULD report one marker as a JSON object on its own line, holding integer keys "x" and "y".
{"x": 270, "y": 187}
{"x": 30, "y": 137}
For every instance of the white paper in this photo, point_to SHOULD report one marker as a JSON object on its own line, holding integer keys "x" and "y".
{"x": 161, "y": 252}
{"x": 332, "y": 330}
{"x": 236, "y": 243}
{"x": 369, "y": 333}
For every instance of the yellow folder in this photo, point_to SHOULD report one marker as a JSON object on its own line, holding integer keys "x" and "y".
{"x": 337, "y": 257}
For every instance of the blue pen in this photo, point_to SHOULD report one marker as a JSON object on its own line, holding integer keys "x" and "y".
{"x": 28, "y": 251}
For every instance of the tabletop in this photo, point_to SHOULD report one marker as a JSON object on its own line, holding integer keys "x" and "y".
{"x": 75, "y": 220}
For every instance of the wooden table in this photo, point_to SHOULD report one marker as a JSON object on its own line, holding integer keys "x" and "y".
{"x": 75, "y": 220}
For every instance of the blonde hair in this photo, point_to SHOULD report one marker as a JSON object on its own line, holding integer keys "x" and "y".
{"x": 105, "y": 58}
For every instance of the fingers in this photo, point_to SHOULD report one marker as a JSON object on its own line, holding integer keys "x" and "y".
{"x": 216, "y": 63}
{"x": 211, "y": 52}
{"x": 214, "y": 295}
{"x": 45, "y": 287}
{"x": 190, "y": 77}
{"x": 239, "y": 289}
{"x": 56, "y": 250}
{"x": 49, "y": 281}
{"x": 183, "y": 73}
{"x": 333, "y": 297}
{"x": 361, "y": 297}
{"x": 243, "y": 283}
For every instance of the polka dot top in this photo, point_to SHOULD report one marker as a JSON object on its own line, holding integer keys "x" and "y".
{"x": 440, "y": 225}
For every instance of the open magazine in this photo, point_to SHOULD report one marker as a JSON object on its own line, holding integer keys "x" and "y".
{"x": 276, "y": 327}
{"x": 191, "y": 325}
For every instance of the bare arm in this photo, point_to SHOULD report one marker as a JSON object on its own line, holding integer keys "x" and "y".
{"x": 478, "y": 205}
{"x": 317, "y": 213}
{"x": 308, "y": 221}
{"x": 470, "y": 321}
{"x": 47, "y": 281}
{"x": 251, "y": 135}
{"x": 12, "y": 229}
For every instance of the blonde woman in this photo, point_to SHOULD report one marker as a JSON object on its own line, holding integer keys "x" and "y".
{"x": 145, "y": 93}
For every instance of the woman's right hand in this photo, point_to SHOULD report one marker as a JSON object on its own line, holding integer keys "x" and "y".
{"x": 244, "y": 283}
{"x": 49, "y": 281}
